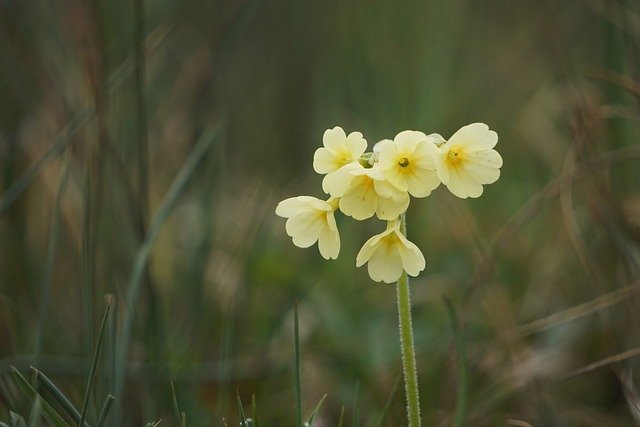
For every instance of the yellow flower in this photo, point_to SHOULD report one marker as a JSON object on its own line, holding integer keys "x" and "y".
{"x": 389, "y": 253}
{"x": 339, "y": 150}
{"x": 468, "y": 160}
{"x": 310, "y": 220}
{"x": 407, "y": 163}
{"x": 364, "y": 192}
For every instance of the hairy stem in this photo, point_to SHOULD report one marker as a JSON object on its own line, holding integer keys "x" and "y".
{"x": 408, "y": 351}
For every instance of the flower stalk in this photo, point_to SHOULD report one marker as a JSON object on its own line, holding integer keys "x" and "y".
{"x": 406, "y": 343}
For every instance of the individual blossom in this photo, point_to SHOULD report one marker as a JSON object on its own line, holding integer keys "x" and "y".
{"x": 364, "y": 192}
{"x": 467, "y": 160}
{"x": 408, "y": 162}
{"x": 339, "y": 150}
{"x": 389, "y": 253}
{"x": 311, "y": 220}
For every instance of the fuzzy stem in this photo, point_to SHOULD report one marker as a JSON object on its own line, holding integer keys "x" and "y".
{"x": 406, "y": 342}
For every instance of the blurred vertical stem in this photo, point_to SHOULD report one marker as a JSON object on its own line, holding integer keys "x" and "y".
{"x": 406, "y": 342}
{"x": 48, "y": 271}
{"x": 142, "y": 257}
{"x": 141, "y": 112}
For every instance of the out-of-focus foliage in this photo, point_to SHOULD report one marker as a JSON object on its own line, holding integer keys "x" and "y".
{"x": 543, "y": 269}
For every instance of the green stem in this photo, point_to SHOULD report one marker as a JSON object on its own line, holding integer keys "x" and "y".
{"x": 408, "y": 351}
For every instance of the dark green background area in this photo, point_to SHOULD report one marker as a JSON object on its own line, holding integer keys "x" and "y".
{"x": 100, "y": 106}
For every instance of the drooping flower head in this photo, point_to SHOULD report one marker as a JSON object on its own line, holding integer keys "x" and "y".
{"x": 467, "y": 160}
{"x": 389, "y": 253}
{"x": 408, "y": 163}
{"x": 312, "y": 220}
{"x": 381, "y": 182}
{"x": 339, "y": 150}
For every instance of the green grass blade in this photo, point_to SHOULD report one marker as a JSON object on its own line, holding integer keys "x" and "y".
{"x": 461, "y": 405}
{"x": 296, "y": 358}
{"x": 46, "y": 281}
{"x": 243, "y": 419}
{"x": 387, "y": 405}
{"x": 105, "y": 410}
{"x": 341, "y": 418}
{"x": 254, "y": 412}
{"x": 35, "y": 415}
{"x": 355, "y": 422}
{"x": 176, "y": 408}
{"x": 142, "y": 257}
{"x": 315, "y": 411}
{"x": 94, "y": 364}
{"x": 49, "y": 413}
{"x": 52, "y": 389}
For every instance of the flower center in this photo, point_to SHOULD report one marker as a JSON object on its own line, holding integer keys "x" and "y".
{"x": 454, "y": 158}
{"x": 404, "y": 162}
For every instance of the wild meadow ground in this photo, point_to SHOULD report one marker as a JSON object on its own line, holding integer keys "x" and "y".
{"x": 144, "y": 147}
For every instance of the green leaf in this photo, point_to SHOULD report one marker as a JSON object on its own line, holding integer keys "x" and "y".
{"x": 315, "y": 411}
{"x": 387, "y": 405}
{"x": 49, "y": 413}
{"x": 105, "y": 410}
{"x": 35, "y": 415}
{"x": 94, "y": 364}
{"x": 461, "y": 405}
{"x": 176, "y": 408}
{"x": 296, "y": 358}
{"x": 50, "y": 387}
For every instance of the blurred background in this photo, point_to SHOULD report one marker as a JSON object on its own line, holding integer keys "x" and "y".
{"x": 185, "y": 123}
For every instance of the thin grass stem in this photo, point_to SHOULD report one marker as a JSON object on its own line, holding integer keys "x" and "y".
{"x": 176, "y": 408}
{"x": 463, "y": 375}
{"x": 355, "y": 421}
{"x": 296, "y": 358}
{"x": 387, "y": 405}
{"x": 105, "y": 410}
{"x": 51, "y": 248}
{"x": 94, "y": 364}
{"x": 35, "y": 414}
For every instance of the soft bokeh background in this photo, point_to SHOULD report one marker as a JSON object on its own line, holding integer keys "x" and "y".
{"x": 101, "y": 103}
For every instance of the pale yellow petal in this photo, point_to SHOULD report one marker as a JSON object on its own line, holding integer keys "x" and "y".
{"x": 424, "y": 155}
{"x": 407, "y": 140}
{"x": 324, "y": 161}
{"x": 474, "y": 137}
{"x": 329, "y": 238}
{"x": 412, "y": 258}
{"x": 334, "y": 139}
{"x": 387, "y": 190}
{"x": 339, "y": 182}
{"x": 385, "y": 264}
{"x": 436, "y": 139}
{"x": 463, "y": 185}
{"x": 300, "y": 204}
{"x": 305, "y": 228}
{"x": 361, "y": 200}
{"x": 356, "y": 145}
{"x": 388, "y": 161}
{"x": 389, "y": 209}
{"x": 442, "y": 168}
{"x": 369, "y": 247}
{"x": 388, "y": 155}
{"x": 422, "y": 182}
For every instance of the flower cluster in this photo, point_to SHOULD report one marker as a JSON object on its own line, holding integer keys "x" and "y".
{"x": 363, "y": 184}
